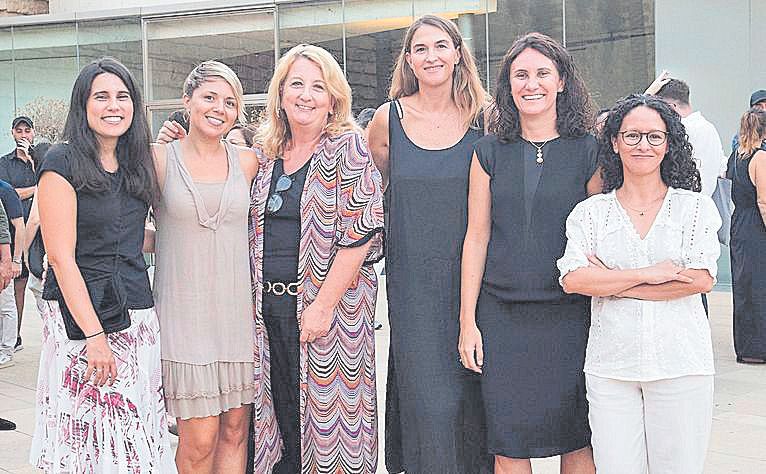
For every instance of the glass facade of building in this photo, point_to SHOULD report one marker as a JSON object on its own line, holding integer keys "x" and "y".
{"x": 612, "y": 41}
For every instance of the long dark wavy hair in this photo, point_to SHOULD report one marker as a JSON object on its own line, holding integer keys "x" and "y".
{"x": 677, "y": 169}
{"x": 133, "y": 150}
{"x": 574, "y": 110}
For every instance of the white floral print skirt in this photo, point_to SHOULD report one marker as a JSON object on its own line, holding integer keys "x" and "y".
{"x": 83, "y": 428}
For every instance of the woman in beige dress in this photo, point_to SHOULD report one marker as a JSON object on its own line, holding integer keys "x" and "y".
{"x": 202, "y": 278}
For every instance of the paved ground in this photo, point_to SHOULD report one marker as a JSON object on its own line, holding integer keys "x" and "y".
{"x": 738, "y": 443}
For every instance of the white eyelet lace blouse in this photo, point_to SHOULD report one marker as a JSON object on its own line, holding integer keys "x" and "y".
{"x": 639, "y": 340}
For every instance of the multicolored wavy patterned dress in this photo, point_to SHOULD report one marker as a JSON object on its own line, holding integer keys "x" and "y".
{"x": 341, "y": 206}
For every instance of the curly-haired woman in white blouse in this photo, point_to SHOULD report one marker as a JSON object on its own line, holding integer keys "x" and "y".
{"x": 644, "y": 249}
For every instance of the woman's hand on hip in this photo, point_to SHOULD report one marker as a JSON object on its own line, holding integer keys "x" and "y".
{"x": 315, "y": 322}
{"x": 470, "y": 347}
{"x": 101, "y": 364}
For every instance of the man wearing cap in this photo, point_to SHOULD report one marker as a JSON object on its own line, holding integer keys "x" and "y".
{"x": 757, "y": 99}
{"x": 17, "y": 169}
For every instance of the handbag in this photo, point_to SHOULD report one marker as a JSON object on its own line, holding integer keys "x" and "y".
{"x": 106, "y": 294}
{"x": 35, "y": 255}
{"x": 725, "y": 205}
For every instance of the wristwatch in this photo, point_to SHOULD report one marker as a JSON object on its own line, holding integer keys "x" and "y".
{"x": 16, "y": 260}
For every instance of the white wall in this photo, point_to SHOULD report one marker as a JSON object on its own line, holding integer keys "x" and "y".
{"x": 715, "y": 46}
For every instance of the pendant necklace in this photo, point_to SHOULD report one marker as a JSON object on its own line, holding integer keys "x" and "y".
{"x": 539, "y": 160}
{"x": 650, "y": 205}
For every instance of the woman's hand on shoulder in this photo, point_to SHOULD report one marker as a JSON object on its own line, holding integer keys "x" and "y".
{"x": 249, "y": 160}
{"x": 170, "y": 131}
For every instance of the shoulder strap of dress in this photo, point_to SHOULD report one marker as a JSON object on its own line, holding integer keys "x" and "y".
{"x": 399, "y": 108}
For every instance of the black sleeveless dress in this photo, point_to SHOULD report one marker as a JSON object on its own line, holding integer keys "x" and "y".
{"x": 748, "y": 261}
{"x": 434, "y": 418}
{"x": 534, "y": 334}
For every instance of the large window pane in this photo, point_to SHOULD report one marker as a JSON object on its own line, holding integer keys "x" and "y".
{"x": 44, "y": 66}
{"x": 612, "y": 42}
{"x": 120, "y": 39}
{"x": 243, "y": 41}
{"x": 7, "y": 104}
{"x": 374, "y": 34}
{"x": 511, "y": 19}
{"x": 319, "y": 24}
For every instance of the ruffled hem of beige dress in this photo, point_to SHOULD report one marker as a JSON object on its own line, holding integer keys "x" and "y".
{"x": 196, "y": 391}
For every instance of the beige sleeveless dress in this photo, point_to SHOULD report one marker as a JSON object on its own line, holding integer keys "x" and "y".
{"x": 202, "y": 290}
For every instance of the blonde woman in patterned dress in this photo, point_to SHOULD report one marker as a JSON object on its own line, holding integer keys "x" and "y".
{"x": 316, "y": 222}
{"x": 100, "y": 405}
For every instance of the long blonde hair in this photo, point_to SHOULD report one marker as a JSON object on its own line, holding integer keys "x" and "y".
{"x": 209, "y": 69}
{"x": 467, "y": 92}
{"x": 274, "y": 130}
{"x": 752, "y": 131}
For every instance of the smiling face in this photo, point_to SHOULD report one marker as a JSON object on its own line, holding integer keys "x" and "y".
{"x": 643, "y": 158}
{"x": 535, "y": 84}
{"x": 305, "y": 97}
{"x": 109, "y": 108}
{"x": 432, "y": 56}
{"x": 213, "y": 108}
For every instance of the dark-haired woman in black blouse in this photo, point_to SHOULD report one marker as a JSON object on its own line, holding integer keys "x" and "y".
{"x": 99, "y": 399}
{"x": 517, "y": 327}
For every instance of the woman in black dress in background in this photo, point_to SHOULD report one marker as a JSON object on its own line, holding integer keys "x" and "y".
{"x": 517, "y": 328}
{"x": 747, "y": 170}
{"x": 421, "y": 143}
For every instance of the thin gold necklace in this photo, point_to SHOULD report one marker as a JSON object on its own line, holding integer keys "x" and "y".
{"x": 649, "y": 206}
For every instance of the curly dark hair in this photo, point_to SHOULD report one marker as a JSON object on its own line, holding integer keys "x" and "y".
{"x": 574, "y": 110}
{"x": 677, "y": 169}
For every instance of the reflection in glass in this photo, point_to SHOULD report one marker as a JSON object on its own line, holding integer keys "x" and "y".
{"x": 7, "y": 104}
{"x": 612, "y": 42}
{"x": 120, "y": 39}
{"x": 511, "y": 19}
{"x": 318, "y": 24}
{"x": 44, "y": 68}
{"x": 243, "y": 41}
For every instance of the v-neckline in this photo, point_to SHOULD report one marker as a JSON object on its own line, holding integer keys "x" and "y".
{"x": 626, "y": 216}
{"x": 205, "y": 218}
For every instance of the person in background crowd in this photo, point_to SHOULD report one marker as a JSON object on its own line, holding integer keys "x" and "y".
{"x": 421, "y": 142}
{"x": 757, "y": 99}
{"x": 18, "y": 170}
{"x": 8, "y": 326}
{"x": 517, "y": 328}
{"x": 8, "y": 316}
{"x": 181, "y": 118}
{"x": 747, "y": 170}
{"x": 241, "y": 135}
{"x": 34, "y": 250}
{"x": 99, "y": 405}
{"x": 644, "y": 250}
{"x": 202, "y": 278}
{"x": 707, "y": 150}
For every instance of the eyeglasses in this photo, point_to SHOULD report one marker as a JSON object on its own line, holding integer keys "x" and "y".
{"x": 654, "y": 137}
{"x": 274, "y": 204}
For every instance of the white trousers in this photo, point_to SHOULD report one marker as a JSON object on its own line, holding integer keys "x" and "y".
{"x": 659, "y": 427}
{"x": 9, "y": 321}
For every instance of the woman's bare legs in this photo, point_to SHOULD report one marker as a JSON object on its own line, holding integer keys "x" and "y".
{"x": 231, "y": 451}
{"x": 576, "y": 462}
{"x": 197, "y": 440}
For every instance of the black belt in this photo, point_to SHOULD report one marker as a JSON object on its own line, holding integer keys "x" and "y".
{"x": 279, "y": 288}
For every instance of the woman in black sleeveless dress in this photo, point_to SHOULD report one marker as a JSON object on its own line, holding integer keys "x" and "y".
{"x": 422, "y": 143}
{"x": 518, "y": 329}
{"x": 748, "y": 239}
